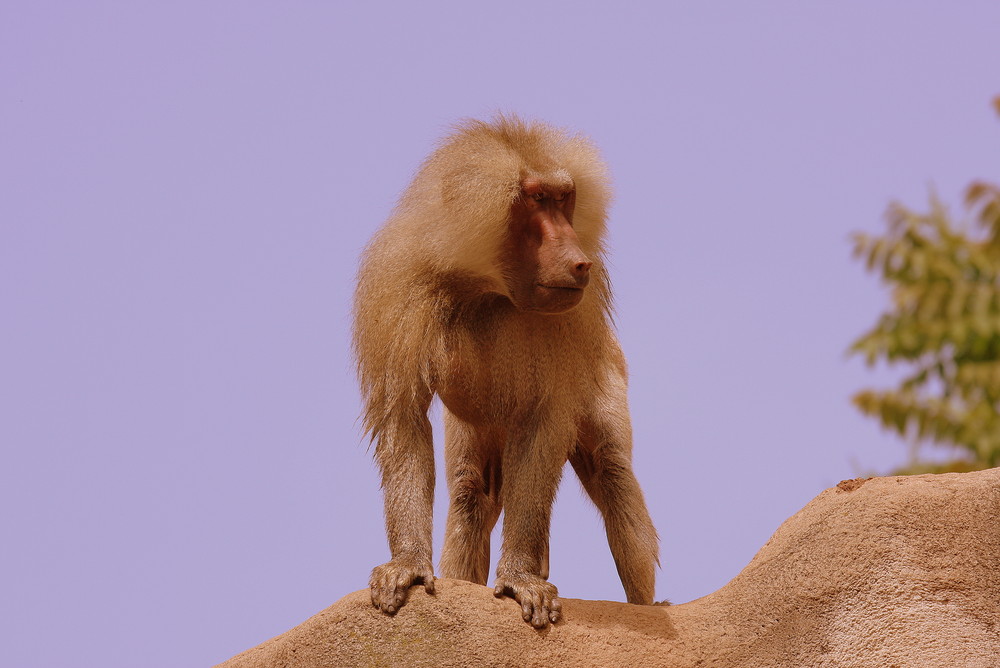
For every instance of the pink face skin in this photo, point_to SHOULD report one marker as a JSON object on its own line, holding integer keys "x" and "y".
{"x": 546, "y": 270}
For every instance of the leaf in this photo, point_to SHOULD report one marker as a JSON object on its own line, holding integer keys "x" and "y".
{"x": 944, "y": 318}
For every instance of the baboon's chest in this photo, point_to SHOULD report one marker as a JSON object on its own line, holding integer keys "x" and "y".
{"x": 507, "y": 368}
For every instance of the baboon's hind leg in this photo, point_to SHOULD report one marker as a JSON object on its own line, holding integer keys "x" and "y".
{"x": 604, "y": 467}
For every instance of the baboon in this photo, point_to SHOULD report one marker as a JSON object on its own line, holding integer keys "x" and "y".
{"x": 487, "y": 287}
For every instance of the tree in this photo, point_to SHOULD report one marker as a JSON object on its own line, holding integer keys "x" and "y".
{"x": 944, "y": 323}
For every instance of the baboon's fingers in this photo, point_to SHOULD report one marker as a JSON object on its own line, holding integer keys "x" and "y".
{"x": 538, "y": 598}
{"x": 546, "y": 609}
{"x": 555, "y": 610}
{"x": 528, "y": 607}
{"x": 540, "y": 618}
{"x": 384, "y": 589}
{"x": 381, "y": 592}
{"x": 429, "y": 582}
{"x": 391, "y": 581}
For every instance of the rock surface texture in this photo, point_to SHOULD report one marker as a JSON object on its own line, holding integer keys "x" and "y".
{"x": 884, "y": 572}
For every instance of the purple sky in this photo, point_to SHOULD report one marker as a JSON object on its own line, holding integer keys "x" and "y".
{"x": 184, "y": 190}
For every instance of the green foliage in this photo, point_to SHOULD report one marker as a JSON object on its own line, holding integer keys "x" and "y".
{"x": 944, "y": 322}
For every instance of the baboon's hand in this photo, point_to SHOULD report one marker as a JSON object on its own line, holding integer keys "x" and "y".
{"x": 538, "y": 597}
{"x": 390, "y": 581}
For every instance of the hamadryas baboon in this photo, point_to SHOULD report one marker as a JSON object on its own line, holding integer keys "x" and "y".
{"x": 487, "y": 287}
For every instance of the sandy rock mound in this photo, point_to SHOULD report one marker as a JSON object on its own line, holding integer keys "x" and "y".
{"x": 884, "y": 572}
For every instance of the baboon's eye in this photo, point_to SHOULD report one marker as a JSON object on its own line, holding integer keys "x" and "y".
{"x": 560, "y": 197}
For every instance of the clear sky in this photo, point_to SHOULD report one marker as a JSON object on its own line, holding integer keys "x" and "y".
{"x": 184, "y": 190}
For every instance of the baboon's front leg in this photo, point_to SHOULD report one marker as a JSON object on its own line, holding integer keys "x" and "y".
{"x": 603, "y": 461}
{"x": 532, "y": 466}
{"x": 405, "y": 455}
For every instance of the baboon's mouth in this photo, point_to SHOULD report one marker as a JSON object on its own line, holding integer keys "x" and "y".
{"x": 560, "y": 287}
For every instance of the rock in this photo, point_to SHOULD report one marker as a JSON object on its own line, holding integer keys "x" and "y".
{"x": 900, "y": 571}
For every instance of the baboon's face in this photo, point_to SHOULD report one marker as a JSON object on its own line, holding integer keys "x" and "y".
{"x": 544, "y": 267}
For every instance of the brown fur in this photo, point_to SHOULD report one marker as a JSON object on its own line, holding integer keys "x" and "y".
{"x": 448, "y": 302}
